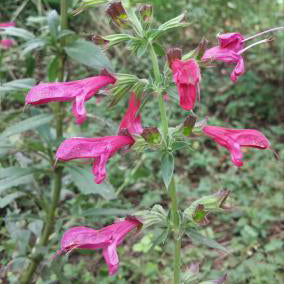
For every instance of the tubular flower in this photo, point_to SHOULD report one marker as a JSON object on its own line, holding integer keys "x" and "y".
{"x": 187, "y": 77}
{"x": 103, "y": 148}
{"x": 234, "y": 139}
{"x": 107, "y": 238}
{"x": 228, "y": 50}
{"x": 6, "y": 43}
{"x": 131, "y": 121}
{"x": 77, "y": 91}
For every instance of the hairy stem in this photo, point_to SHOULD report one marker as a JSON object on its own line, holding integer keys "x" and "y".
{"x": 172, "y": 188}
{"x": 37, "y": 257}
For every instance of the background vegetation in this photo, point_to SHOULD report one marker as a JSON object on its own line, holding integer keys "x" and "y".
{"x": 252, "y": 231}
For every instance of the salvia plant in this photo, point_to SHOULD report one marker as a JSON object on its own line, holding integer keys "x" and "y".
{"x": 176, "y": 75}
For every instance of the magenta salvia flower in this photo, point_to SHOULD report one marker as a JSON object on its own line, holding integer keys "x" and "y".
{"x": 228, "y": 51}
{"x": 107, "y": 238}
{"x": 78, "y": 91}
{"x": 187, "y": 77}
{"x": 234, "y": 139}
{"x": 7, "y": 24}
{"x": 103, "y": 148}
{"x": 6, "y": 43}
{"x": 131, "y": 121}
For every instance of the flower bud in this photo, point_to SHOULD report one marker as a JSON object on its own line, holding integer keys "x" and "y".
{"x": 202, "y": 46}
{"x": 99, "y": 40}
{"x": 199, "y": 215}
{"x": 118, "y": 14}
{"x": 189, "y": 124}
{"x": 146, "y": 12}
{"x": 199, "y": 209}
{"x": 151, "y": 135}
{"x": 173, "y": 54}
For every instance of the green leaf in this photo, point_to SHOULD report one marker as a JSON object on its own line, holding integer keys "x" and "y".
{"x": 27, "y": 124}
{"x": 53, "y": 68}
{"x": 84, "y": 180}
{"x": 161, "y": 238}
{"x": 17, "y": 84}
{"x": 14, "y": 176}
{"x": 32, "y": 44}
{"x": 88, "y": 54}
{"x": 158, "y": 49}
{"x": 167, "y": 168}
{"x": 53, "y": 22}
{"x": 17, "y": 32}
{"x": 198, "y": 237}
{"x": 171, "y": 24}
{"x": 9, "y": 198}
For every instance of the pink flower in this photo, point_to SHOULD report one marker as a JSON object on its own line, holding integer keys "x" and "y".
{"x": 187, "y": 77}
{"x": 103, "y": 148}
{"x": 6, "y": 43}
{"x": 229, "y": 50}
{"x": 78, "y": 91}
{"x": 234, "y": 139}
{"x": 7, "y": 24}
{"x": 131, "y": 121}
{"x": 107, "y": 238}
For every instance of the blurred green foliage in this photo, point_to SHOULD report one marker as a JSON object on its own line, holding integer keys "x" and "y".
{"x": 252, "y": 230}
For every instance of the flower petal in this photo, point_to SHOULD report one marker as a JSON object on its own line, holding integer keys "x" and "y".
{"x": 131, "y": 121}
{"x": 111, "y": 258}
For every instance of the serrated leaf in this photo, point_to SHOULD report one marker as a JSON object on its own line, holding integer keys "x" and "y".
{"x": 17, "y": 32}
{"x": 198, "y": 237}
{"x": 167, "y": 167}
{"x": 88, "y": 54}
{"x": 17, "y": 84}
{"x": 84, "y": 180}
{"x": 27, "y": 124}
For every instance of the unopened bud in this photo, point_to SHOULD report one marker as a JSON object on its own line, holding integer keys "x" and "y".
{"x": 173, "y": 54}
{"x": 202, "y": 46}
{"x": 151, "y": 135}
{"x": 118, "y": 14}
{"x": 146, "y": 12}
{"x": 189, "y": 124}
{"x": 199, "y": 209}
{"x": 99, "y": 40}
{"x": 199, "y": 215}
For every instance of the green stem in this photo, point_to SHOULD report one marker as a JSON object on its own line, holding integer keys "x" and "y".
{"x": 37, "y": 257}
{"x": 157, "y": 75}
{"x": 172, "y": 188}
{"x": 176, "y": 229}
